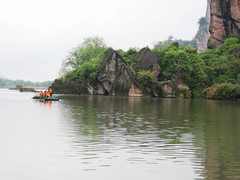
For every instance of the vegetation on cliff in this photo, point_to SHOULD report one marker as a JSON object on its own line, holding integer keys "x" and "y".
{"x": 223, "y": 70}
{"x": 223, "y": 91}
{"x": 215, "y": 70}
{"x": 128, "y": 55}
{"x": 223, "y": 62}
{"x": 86, "y": 54}
{"x": 184, "y": 63}
{"x": 219, "y": 67}
{"x": 84, "y": 60}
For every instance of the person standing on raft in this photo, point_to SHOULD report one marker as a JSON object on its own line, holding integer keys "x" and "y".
{"x": 50, "y": 91}
{"x": 47, "y": 94}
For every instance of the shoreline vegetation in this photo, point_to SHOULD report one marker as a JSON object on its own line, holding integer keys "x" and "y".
{"x": 166, "y": 71}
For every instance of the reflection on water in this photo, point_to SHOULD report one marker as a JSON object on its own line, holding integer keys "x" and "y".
{"x": 47, "y": 103}
{"x": 100, "y": 137}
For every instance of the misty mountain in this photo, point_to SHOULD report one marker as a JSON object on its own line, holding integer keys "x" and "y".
{"x": 13, "y": 83}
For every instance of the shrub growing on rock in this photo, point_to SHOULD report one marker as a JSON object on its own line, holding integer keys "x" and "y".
{"x": 184, "y": 91}
{"x": 223, "y": 91}
{"x": 146, "y": 78}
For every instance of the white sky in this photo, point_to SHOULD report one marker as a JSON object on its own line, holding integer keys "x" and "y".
{"x": 35, "y": 36}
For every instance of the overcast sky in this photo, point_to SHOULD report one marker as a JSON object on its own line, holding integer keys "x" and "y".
{"x": 35, "y": 36}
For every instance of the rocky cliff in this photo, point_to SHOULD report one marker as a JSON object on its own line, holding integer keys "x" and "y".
{"x": 145, "y": 59}
{"x": 114, "y": 78}
{"x": 224, "y": 20}
{"x": 203, "y": 34}
{"x": 69, "y": 87}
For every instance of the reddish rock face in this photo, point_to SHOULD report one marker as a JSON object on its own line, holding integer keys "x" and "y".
{"x": 225, "y": 19}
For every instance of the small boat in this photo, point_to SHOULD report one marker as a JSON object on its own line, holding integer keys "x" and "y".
{"x": 51, "y": 99}
{"x": 46, "y": 99}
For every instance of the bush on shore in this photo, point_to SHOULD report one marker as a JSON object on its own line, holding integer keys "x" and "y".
{"x": 223, "y": 91}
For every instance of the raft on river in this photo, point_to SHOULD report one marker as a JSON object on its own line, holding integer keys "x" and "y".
{"x": 46, "y": 99}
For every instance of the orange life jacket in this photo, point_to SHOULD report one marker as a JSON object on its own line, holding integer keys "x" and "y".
{"x": 48, "y": 94}
{"x": 50, "y": 90}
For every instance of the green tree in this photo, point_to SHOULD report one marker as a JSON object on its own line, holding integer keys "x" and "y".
{"x": 185, "y": 63}
{"x": 146, "y": 78}
{"x": 197, "y": 73}
{"x": 83, "y": 72}
{"x": 128, "y": 55}
{"x": 90, "y": 48}
{"x": 223, "y": 63}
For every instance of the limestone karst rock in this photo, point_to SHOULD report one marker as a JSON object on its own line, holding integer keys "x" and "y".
{"x": 224, "y": 20}
{"x": 203, "y": 36}
{"x": 147, "y": 60}
{"x": 114, "y": 78}
{"x": 68, "y": 88}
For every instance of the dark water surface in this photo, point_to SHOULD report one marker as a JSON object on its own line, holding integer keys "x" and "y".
{"x": 116, "y": 138}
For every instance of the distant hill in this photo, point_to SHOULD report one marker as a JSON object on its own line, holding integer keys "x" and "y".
{"x": 13, "y": 83}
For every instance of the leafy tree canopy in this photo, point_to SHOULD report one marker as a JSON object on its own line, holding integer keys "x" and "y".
{"x": 128, "y": 55}
{"x": 90, "y": 48}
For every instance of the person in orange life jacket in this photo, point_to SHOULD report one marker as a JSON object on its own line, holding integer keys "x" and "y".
{"x": 48, "y": 94}
{"x": 50, "y": 91}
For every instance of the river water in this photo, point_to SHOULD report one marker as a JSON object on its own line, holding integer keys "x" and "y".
{"x": 106, "y": 138}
